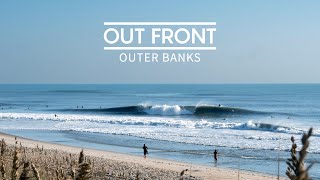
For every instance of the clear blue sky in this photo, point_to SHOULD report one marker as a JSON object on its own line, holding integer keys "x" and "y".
{"x": 266, "y": 41}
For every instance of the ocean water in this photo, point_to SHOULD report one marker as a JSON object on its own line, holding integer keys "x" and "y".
{"x": 250, "y": 125}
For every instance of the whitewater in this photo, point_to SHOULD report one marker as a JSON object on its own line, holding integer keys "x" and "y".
{"x": 251, "y": 124}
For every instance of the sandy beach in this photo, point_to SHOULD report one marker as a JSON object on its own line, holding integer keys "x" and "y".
{"x": 116, "y": 163}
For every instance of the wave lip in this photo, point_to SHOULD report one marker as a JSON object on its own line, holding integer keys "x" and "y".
{"x": 173, "y": 110}
{"x": 220, "y": 111}
{"x": 163, "y": 110}
{"x": 166, "y": 110}
{"x": 250, "y": 125}
{"x": 123, "y": 110}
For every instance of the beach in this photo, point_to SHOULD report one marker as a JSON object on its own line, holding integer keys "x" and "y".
{"x": 250, "y": 128}
{"x": 159, "y": 90}
{"x": 117, "y": 163}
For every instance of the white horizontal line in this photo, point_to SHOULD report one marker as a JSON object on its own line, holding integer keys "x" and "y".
{"x": 160, "y": 48}
{"x": 160, "y": 23}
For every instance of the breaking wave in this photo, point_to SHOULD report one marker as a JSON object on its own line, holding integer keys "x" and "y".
{"x": 154, "y": 122}
{"x": 171, "y": 110}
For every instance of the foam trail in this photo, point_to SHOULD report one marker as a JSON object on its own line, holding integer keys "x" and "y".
{"x": 166, "y": 110}
{"x": 157, "y": 121}
{"x": 204, "y": 132}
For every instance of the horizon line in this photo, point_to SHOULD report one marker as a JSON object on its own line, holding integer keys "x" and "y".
{"x": 159, "y": 48}
{"x": 161, "y": 83}
{"x": 161, "y": 23}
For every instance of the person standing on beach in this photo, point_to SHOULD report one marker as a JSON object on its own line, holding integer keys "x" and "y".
{"x": 215, "y": 155}
{"x": 145, "y": 150}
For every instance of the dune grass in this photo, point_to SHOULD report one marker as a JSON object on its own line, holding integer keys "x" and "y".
{"x": 296, "y": 168}
{"x": 18, "y": 162}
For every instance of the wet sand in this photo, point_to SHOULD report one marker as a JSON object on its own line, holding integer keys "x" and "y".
{"x": 106, "y": 163}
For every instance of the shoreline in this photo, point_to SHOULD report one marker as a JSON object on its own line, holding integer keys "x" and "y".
{"x": 203, "y": 172}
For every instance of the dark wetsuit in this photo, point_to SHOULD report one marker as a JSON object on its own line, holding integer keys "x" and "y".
{"x": 145, "y": 150}
{"x": 215, "y": 155}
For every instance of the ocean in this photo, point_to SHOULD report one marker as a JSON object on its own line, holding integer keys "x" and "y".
{"x": 250, "y": 125}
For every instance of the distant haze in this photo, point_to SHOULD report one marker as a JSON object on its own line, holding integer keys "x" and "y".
{"x": 257, "y": 42}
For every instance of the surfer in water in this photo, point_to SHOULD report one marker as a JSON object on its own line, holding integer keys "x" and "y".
{"x": 215, "y": 155}
{"x": 145, "y": 151}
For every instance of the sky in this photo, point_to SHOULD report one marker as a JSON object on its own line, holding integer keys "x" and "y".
{"x": 267, "y": 41}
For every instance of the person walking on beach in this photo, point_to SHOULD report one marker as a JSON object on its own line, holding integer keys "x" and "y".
{"x": 215, "y": 155}
{"x": 145, "y": 150}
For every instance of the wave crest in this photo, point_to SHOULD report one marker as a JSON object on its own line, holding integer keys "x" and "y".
{"x": 166, "y": 110}
{"x": 172, "y": 110}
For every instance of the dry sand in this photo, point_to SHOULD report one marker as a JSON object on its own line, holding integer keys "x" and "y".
{"x": 152, "y": 168}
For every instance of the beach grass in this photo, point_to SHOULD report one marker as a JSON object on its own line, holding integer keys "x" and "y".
{"x": 29, "y": 159}
{"x": 296, "y": 168}
{"x": 18, "y": 162}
